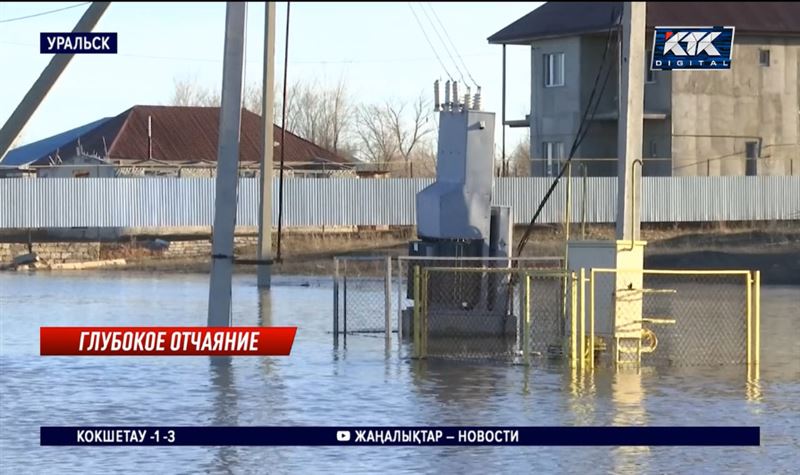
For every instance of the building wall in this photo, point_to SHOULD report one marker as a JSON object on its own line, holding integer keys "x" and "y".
{"x": 555, "y": 111}
{"x": 79, "y": 166}
{"x": 717, "y": 112}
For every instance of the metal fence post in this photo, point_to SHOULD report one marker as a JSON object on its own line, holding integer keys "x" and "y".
{"x": 388, "y": 299}
{"x": 757, "y": 315}
{"x": 749, "y": 318}
{"x": 423, "y": 337}
{"x": 335, "y": 301}
{"x": 344, "y": 309}
{"x": 399, "y": 302}
{"x": 574, "y": 321}
{"x": 417, "y": 303}
{"x": 591, "y": 317}
{"x": 527, "y": 327}
{"x": 582, "y": 298}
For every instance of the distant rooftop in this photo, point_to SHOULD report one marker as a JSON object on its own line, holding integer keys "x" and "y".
{"x": 180, "y": 134}
{"x": 556, "y": 19}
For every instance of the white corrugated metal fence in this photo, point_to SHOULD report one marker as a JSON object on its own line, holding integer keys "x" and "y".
{"x": 172, "y": 202}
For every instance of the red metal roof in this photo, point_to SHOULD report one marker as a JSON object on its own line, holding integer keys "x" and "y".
{"x": 192, "y": 134}
{"x": 185, "y": 134}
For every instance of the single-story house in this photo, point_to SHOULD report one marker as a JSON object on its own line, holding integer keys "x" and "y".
{"x": 163, "y": 140}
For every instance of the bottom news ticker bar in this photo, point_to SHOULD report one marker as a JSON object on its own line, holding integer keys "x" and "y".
{"x": 355, "y": 436}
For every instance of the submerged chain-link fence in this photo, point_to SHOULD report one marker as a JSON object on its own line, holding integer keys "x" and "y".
{"x": 531, "y": 310}
{"x": 404, "y": 278}
{"x": 492, "y": 313}
{"x": 362, "y": 296}
{"x": 662, "y": 317}
{"x": 468, "y": 313}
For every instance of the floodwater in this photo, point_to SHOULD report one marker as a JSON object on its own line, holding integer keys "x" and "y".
{"x": 357, "y": 385}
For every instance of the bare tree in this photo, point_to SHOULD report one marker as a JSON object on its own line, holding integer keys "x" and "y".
{"x": 389, "y": 132}
{"x": 394, "y": 131}
{"x": 341, "y": 114}
{"x": 519, "y": 162}
{"x": 377, "y": 140}
{"x": 423, "y": 164}
{"x": 190, "y": 93}
{"x": 324, "y": 116}
{"x": 408, "y": 135}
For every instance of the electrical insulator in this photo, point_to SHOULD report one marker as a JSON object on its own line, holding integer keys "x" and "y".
{"x": 476, "y": 100}
{"x": 436, "y": 91}
{"x": 447, "y": 95}
{"x": 456, "y": 99}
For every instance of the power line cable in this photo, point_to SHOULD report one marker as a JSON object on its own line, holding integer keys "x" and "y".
{"x": 419, "y": 23}
{"x": 430, "y": 7}
{"x": 283, "y": 129}
{"x": 310, "y": 61}
{"x": 580, "y": 135}
{"x": 446, "y": 49}
{"x": 9, "y": 20}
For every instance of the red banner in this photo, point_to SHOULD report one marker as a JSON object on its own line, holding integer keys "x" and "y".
{"x": 166, "y": 341}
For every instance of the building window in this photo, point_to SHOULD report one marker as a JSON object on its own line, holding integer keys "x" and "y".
{"x": 763, "y": 57}
{"x": 653, "y": 149}
{"x": 751, "y": 154}
{"x": 553, "y": 69}
{"x": 552, "y": 152}
{"x": 649, "y": 74}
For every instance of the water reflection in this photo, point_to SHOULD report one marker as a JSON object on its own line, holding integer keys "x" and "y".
{"x": 753, "y": 385}
{"x": 225, "y": 408}
{"x": 627, "y": 395}
{"x": 459, "y": 384}
{"x": 582, "y": 389}
{"x": 265, "y": 320}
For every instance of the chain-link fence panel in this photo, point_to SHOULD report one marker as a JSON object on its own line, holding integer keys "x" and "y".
{"x": 362, "y": 295}
{"x": 403, "y": 271}
{"x": 490, "y": 313}
{"x": 468, "y": 313}
{"x": 709, "y": 312}
{"x": 550, "y": 307}
{"x": 658, "y": 318}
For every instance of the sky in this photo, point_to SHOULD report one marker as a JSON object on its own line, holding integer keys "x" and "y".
{"x": 378, "y": 50}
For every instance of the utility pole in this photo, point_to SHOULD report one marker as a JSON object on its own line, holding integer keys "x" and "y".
{"x": 36, "y": 94}
{"x": 264, "y": 266}
{"x": 630, "y": 124}
{"x": 219, "y": 300}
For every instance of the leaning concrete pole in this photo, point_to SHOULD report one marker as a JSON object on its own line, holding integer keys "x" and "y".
{"x": 219, "y": 300}
{"x": 630, "y": 125}
{"x": 22, "y": 114}
{"x": 264, "y": 267}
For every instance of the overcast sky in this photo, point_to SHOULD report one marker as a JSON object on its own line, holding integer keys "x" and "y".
{"x": 377, "y": 48}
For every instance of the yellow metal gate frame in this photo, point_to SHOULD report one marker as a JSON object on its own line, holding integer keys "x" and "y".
{"x": 582, "y": 349}
{"x": 526, "y": 276}
{"x": 752, "y": 288}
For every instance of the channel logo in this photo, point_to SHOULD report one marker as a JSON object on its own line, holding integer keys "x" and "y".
{"x": 343, "y": 435}
{"x": 692, "y": 48}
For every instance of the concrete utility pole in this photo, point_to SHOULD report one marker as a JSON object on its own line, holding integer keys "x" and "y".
{"x": 264, "y": 267}
{"x": 22, "y": 114}
{"x": 619, "y": 319}
{"x": 630, "y": 124}
{"x": 219, "y": 300}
